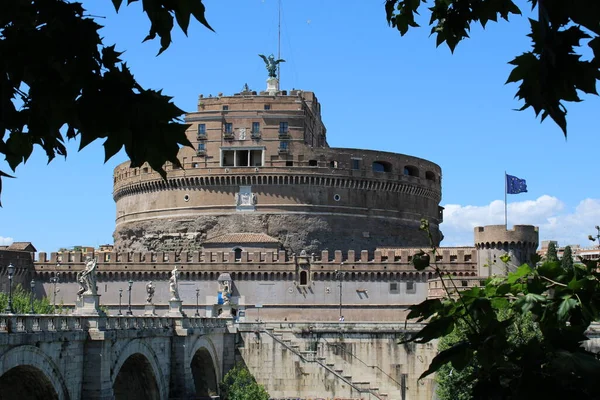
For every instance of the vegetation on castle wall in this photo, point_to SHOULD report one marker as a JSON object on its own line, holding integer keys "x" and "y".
{"x": 501, "y": 355}
{"x": 239, "y": 384}
{"x": 554, "y": 71}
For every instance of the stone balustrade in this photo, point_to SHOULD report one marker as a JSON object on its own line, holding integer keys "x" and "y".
{"x": 35, "y": 323}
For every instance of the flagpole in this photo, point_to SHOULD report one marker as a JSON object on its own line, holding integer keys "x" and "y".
{"x": 505, "y": 205}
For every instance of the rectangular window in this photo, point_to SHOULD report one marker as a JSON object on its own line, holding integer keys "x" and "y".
{"x": 225, "y": 108}
{"x": 267, "y": 106}
{"x": 453, "y": 258}
{"x": 201, "y": 129}
{"x": 410, "y": 286}
{"x": 201, "y": 146}
{"x": 228, "y": 128}
{"x": 255, "y": 127}
{"x": 394, "y": 288}
{"x": 289, "y": 163}
{"x": 241, "y": 157}
{"x": 464, "y": 283}
{"x": 283, "y": 145}
{"x": 256, "y": 158}
{"x": 355, "y": 163}
{"x": 228, "y": 158}
{"x": 467, "y": 257}
{"x": 283, "y": 127}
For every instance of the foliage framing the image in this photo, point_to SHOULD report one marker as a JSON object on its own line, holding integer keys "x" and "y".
{"x": 552, "y": 72}
{"x": 59, "y": 80}
{"x": 552, "y": 363}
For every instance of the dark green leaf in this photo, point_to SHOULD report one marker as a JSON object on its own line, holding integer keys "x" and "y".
{"x": 434, "y": 329}
{"x": 425, "y": 309}
{"x": 565, "y": 307}
{"x": 459, "y": 355}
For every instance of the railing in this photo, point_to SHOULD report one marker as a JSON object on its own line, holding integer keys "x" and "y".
{"x": 26, "y": 323}
{"x": 377, "y": 367}
{"x": 313, "y": 359}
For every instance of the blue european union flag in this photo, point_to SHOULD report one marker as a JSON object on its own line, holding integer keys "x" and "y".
{"x": 515, "y": 185}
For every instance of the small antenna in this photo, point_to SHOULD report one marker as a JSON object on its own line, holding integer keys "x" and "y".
{"x": 279, "y": 41}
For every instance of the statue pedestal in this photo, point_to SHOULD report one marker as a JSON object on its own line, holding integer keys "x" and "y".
{"x": 175, "y": 309}
{"x": 149, "y": 310}
{"x": 226, "y": 311}
{"x": 273, "y": 85}
{"x": 88, "y": 304}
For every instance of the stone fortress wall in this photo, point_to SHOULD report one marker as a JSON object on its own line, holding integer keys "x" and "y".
{"x": 493, "y": 241}
{"x": 305, "y": 194}
{"x": 375, "y": 286}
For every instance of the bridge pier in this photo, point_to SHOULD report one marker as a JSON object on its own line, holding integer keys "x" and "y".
{"x": 97, "y": 384}
{"x": 181, "y": 385}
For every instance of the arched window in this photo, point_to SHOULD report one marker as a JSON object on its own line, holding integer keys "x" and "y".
{"x": 382, "y": 166}
{"x": 430, "y": 176}
{"x": 237, "y": 253}
{"x": 303, "y": 277}
{"x": 411, "y": 170}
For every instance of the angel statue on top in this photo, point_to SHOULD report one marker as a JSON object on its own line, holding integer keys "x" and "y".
{"x": 271, "y": 64}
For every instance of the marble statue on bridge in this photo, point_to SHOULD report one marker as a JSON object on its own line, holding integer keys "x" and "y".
{"x": 87, "y": 278}
{"x": 174, "y": 285}
{"x": 150, "y": 289}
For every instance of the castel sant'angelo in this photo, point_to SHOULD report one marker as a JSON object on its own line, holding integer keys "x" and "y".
{"x": 295, "y": 228}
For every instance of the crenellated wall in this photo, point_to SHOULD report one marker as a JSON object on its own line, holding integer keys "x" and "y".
{"x": 494, "y": 241}
{"x": 374, "y": 286}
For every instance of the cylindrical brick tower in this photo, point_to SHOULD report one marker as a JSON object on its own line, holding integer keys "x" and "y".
{"x": 262, "y": 165}
{"x": 493, "y": 241}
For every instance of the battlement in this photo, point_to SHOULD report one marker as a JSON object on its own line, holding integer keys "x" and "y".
{"x": 491, "y": 236}
{"x": 396, "y": 260}
{"x": 400, "y": 255}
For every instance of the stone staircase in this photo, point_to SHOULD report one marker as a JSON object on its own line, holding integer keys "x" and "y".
{"x": 367, "y": 383}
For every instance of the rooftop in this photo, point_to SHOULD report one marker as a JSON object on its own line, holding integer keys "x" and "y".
{"x": 237, "y": 238}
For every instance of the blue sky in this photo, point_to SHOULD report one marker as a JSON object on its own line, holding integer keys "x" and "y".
{"x": 378, "y": 90}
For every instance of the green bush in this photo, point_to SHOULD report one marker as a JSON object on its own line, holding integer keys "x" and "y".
{"x": 21, "y": 300}
{"x": 239, "y": 384}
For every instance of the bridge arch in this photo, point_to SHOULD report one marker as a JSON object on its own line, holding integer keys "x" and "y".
{"x": 29, "y": 374}
{"x": 204, "y": 367}
{"x": 136, "y": 374}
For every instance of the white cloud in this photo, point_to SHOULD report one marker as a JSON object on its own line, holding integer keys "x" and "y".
{"x": 5, "y": 241}
{"x": 555, "y": 221}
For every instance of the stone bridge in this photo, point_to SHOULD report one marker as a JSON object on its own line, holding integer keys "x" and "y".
{"x": 70, "y": 357}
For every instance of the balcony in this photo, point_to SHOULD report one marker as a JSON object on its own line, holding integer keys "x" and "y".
{"x": 283, "y": 150}
{"x": 284, "y": 134}
{"x": 228, "y": 135}
{"x": 200, "y": 152}
{"x": 255, "y": 134}
{"x": 201, "y": 136}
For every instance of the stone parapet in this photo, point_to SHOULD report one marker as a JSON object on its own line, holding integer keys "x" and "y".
{"x": 526, "y": 236}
